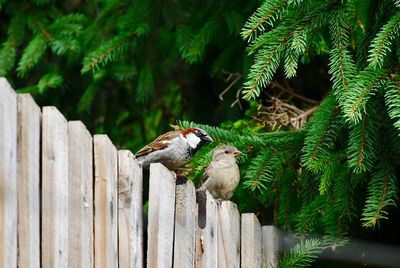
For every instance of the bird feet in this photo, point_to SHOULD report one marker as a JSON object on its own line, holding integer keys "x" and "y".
{"x": 183, "y": 171}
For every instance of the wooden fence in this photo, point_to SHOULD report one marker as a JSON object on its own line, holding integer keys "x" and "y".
{"x": 68, "y": 199}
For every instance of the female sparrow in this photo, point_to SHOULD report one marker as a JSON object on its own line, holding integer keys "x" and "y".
{"x": 174, "y": 148}
{"x": 222, "y": 176}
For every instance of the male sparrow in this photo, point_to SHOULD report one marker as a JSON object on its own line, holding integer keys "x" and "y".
{"x": 174, "y": 148}
{"x": 222, "y": 176}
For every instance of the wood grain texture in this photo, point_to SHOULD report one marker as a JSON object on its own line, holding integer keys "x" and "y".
{"x": 228, "y": 235}
{"x": 161, "y": 216}
{"x": 54, "y": 189}
{"x": 130, "y": 211}
{"x": 207, "y": 231}
{"x": 185, "y": 225}
{"x": 105, "y": 203}
{"x": 29, "y": 120}
{"x": 8, "y": 175}
{"x": 80, "y": 173}
{"x": 270, "y": 246}
{"x": 250, "y": 241}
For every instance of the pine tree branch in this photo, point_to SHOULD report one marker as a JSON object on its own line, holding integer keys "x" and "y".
{"x": 90, "y": 63}
{"x": 257, "y": 20}
{"x": 362, "y": 143}
{"x": 381, "y": 43}
{"x": 262, "y": 77}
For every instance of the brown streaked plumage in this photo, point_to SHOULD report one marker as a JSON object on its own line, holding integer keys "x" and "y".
{"x": 174, "y": 148}
{"x": 222, "y": 176}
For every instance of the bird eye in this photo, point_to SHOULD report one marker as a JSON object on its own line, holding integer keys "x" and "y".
{"x": 226, "y": 151}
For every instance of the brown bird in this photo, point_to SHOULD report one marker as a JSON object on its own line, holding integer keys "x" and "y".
{"x": 222, "y": 176}
{"x": 174, "y": 148}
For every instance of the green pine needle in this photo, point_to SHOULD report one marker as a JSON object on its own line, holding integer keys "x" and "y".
{"x": 341, "y": 65}
{"x": 392, "y": 99}
{"x": 382, "y": 192}
{"x": 321, "y": 135}
{"x": 381, "y": 44}
{"x": 304, "y": 253}
{"x": 266, "y": 14}
{"x": 366, "y": 84}
{"x": 49, "y": 81}
{"x": 108, "y": 52}
{"x": 363, "y": 138}
{"x": 262, "y": 170}
{"x": 8, "y": 54}
{"x": 32, "y": 55}
{"x": 266, "y": 63}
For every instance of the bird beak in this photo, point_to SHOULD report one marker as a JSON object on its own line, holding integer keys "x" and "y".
{"x": 236, "y": 153}
{"x": 208, "y": 138}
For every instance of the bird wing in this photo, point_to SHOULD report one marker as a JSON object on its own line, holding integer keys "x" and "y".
{"x": 203, "y": 178}
{"x": 159, "y": 143}
{"x": 206, "y": 173}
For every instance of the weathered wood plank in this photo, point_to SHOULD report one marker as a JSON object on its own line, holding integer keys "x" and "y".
{"x": 161, "y": 216}
{"x": 80, "y": 199}
{"x": 250, "y": 241}
{"x": 185, "y": 225}
{"x": 130, "y": 211}
{"x": 8, "y": 175}
{"x": 206, "y": 231}
{"x": 105, "y": 203}
{"x": 29, "y": 116}
{"x": 270, "y": 246}
{"x": 228, "y": 235}
{"x": 54, "y": 189}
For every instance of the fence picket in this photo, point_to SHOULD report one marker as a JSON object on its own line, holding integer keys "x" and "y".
{"x": 105, "y": 203}
{"x": 185, "y": 222}
{"x": 228, "y": 235}
{"x": 95, "y": 219}
{"x": 8, "y": 175}
{"x": 206, "y": 231}
{"x": 54, "y": 189}
{"x": 251, "y": 241}
{"x": 29, "y": 115}
{"x": 80, "y": 200}
{"x": 161, "y": 216}
{"x": 130, "y": 211}
{"x": 270, "y": 246}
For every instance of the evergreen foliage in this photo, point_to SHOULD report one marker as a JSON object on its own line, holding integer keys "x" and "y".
{"x": 130, "y": 68}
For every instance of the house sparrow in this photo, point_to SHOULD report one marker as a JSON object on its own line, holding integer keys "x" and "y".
{"x": 222, "y": 175}
{"x": 174, "y": 148}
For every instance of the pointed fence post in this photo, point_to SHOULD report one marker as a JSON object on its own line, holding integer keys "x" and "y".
{"x": 54, "y": 189}
{"x": 228, "y": 235}
{"x": 29, "y": 120}
{"x": 161, "y": 216}
{"x": 270, "y": 246}
{"x": 207, "y": 230}
{"x": 8, "y": 175}
{"x": 130, "y": 212}
{"x": 80, "y": 199}
{"x": 185, "y": 225}
{"x": 105, "y": 203}
{"x": 251, "y": 241}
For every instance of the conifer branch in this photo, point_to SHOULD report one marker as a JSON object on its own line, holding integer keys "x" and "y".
{"x": 382, "y": 192}
{"x": 362, "y": 142}
{"x": 261, "y": 73}
{"x": 265, "y": 14}
{"x": 367, "y": 82}
{"x": 321, "y": 130}
{"x": 381, "y": 43}
{"x": 32, "y": 54}
{"x": 107, "y": 52}
{"x": 341, "y": 65}
{"x": 392, "y": 100}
